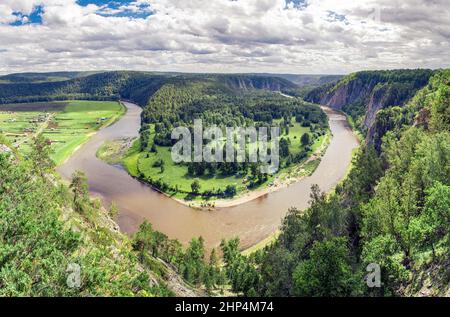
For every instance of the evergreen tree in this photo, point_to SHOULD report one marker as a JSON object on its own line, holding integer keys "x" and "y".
{"x": 195, "y": 186}
{"x": 305, "y": 139}
{"x": 80, "y": 191}
{"x": 40, "y": 155}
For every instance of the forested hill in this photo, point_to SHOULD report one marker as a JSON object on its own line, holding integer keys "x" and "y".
{"x": 249, "y": 82}
{"x": 135, "y": 86}
{"x": 109, "y": 85}
{"x": 361, "y": 95}
{"x": 41, "y": 77}
{"x": 303, "y": 80}
{"x": 391, "y": 212}
{"x": 57, "y": 241}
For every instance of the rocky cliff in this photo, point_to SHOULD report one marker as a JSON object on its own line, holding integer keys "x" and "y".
{"x": 249, "y": 82}
{"x": 341, "y": 94}
{"x": 362, "y": 95}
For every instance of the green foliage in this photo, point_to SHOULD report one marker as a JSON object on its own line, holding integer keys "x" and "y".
{"x": 327, "y": 272}
{"x": 35, "y": 249}
{"x": 306, "y": 139}
{"x": 391, "y": 210}
{"x": 410, "y": 207}
{"x": 113, "y": 210}
{"x": 432, "y": 225}
{"x": 213, "y": 177}
{"x": 195, "y": 186}
{"x": 240, "y": 270}
{"x": 40, "y": 155}
{"x": 191, "y": 263}
{"x": 64, "y": 125}
{"x": 379, "y": 89}
{"x": 230, "y": 190}
{"x": 41, "y": 238}
{"x": 102, "y": 86}
{"x": 284, "y": 147}
{"x": 217, "y": 101}
{"x": 271, "y": 273}
{"x": 386, "y": 252}
{"x": 194, "y": 262}
{"x": 80, "y": 191}
{"x": 135, "y": 86}
{"x": 438, "y": 101}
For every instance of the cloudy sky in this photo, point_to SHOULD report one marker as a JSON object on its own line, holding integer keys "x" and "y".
{"x": 278, "y": 36}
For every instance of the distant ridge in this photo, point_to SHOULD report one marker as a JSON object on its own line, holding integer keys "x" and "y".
{"x": 132, "y": 85}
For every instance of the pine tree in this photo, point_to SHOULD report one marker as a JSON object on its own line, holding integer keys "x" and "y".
{"x": 80, "y": 191}
{"x": 40, "y": 155}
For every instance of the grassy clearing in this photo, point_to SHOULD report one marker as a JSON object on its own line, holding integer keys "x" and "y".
{"x": 67, "y": 124}
{"x": 177, "y": 174}
{"x": 142, "y": 165}
{"x": 295, "y": 133}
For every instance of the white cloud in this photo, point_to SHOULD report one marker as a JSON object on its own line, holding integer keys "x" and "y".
{"x": 326, "y": 36}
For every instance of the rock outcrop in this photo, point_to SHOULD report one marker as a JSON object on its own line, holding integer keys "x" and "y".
{"x": 250, "y": 82}
{"x": 362, "y": 95}
{"x": 342, "y": 94}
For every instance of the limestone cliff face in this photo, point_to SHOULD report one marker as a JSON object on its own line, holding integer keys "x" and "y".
{"x": 372, "y": 96}
{"x": 377, "y": 100}
{"x": 362, "y": 95}
{"x": 250, "y": 82}
{"x": 383, "y": 96}
{"x": 344, "y": 94}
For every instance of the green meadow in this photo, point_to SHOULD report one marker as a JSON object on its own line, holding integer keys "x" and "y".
{"x": 142, "y": 165}
{"x": 67, "y": 124}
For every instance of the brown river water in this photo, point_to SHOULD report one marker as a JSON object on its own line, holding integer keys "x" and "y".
{"x": 251, "y": 222}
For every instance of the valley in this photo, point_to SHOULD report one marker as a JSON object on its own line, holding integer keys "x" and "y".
{"x": 251, "y": 221}
{"x": 255, "y": 155}
{"x": 333, "y": 197}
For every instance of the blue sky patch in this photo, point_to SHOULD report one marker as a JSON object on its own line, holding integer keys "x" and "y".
{"x": 35, "y": 17}
{"x": 120, "y": 8}
{"x": 333, "y": 16}
{"x": 299, "y": 4}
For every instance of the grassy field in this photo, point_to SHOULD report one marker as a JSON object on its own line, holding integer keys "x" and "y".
{"x": 141, "y": 165}
{"x": 67, "y": 124}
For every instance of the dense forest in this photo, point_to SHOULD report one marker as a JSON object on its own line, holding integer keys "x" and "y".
{"x": 217, "y": 103}
{"x": 393, "y": 210}
{"x": 102, "y": 86}
{"x": 57, "y": 241}
{"x": 307, "y": 83}
{"x": 132, "y": 85}
{"x": 49, "y": 231}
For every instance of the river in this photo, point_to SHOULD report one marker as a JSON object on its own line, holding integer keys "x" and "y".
{"x": 251, "y": 222}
